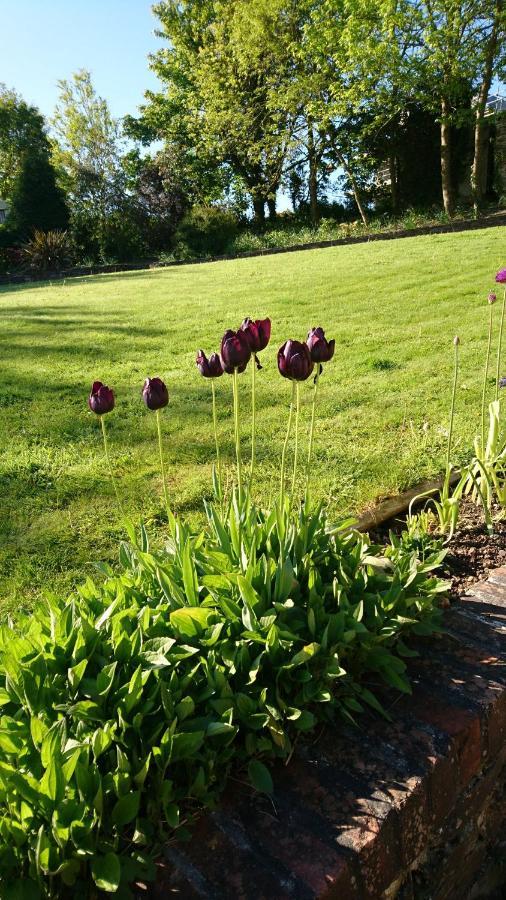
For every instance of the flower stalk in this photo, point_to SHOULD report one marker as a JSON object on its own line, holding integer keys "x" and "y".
{"x": 296, "y": 448}
{"x": 499, "y": 348}
{"x": 218, "y": 455}
{"x": 311, "y": 433}
{"x": 235, "y": 389}
{"x": 253, "y": 420}
{"x": 162, "y": 465}
{"x": 485, "y": 378}
{"x": 285, "y": 446}
{"x": 456, "y": 343}
{"x": 109, "y": 464}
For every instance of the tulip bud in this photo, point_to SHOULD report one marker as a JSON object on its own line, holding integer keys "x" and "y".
{"x": 155, "y": 393}
{"x": 101, "y": 399}
{"x": 320, "y": 348}
{"x": 209, "y": 368}
{"x": 258, "y": 333}
{"x": 235, "y": 351}
{"x": 492, "y": 297}
{"x": 294, "y": 361}
{"x": 456, "y": 340}
{"x": 501, "y": 276}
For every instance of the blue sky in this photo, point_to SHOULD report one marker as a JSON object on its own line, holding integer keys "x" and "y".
{"x": 44, "y": 40}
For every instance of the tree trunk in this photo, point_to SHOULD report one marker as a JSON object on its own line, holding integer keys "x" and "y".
{"x": 394, "y": 183}
{"x": 354, "y": 187}
{"x": 479, "y": 142}
{"x": 446, "y": 158}
{"x": 313, "y": 175}
{"x": 258, "y": 210}
{"x": 271, "y": 204}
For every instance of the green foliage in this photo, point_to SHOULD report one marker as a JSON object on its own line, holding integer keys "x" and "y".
{"x": 48, "y": 251}
{"x": 37, "y": 203}
{"x": 124, "y": 708}
{"x": 22, "y": 129}
{"x": 205, "y": 231}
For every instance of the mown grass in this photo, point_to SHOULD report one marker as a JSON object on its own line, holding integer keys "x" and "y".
{"x": 392, "y": 307}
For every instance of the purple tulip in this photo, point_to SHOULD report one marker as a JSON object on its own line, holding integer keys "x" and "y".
{"x": 155, "y": 393}
{"x": 294, "y": 361}
{"x": 492, "y": 297}
{"x": 101, "y": 399}
{"x": 320, "y": 348}
{"x": 258, "y": 333}
{"x": 209, "y": 368}
{"x": 235, "y": 351}
{"x": 501, "y": 276}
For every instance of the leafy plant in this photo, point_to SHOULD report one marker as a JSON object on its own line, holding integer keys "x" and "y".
{"x": 48, "y": 251}
{"x": 124, "y": 708}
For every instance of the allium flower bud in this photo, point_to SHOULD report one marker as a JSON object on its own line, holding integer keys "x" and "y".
{"x": 492, "y": 297}
{"x": 294, "y": 361}
{"x": 258, "y": 333}
{"x": 320, "y": 348}
{"x": 155, "y": 393}
{"x": 501, "y": 276}
{"x": 209, "y": 368}
{"x": 456, "y": 340}
{"x": 235, "y": 351}
{"x": 502, "y": 382}
{"x": 101, "y": 399}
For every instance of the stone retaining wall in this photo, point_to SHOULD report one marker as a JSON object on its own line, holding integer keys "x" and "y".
{"x": 80, "y": 271}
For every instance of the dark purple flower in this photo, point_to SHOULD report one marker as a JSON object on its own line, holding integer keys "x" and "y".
{"x": 320, "y": 348}
{"x": 501, "y": 276}
{"x": 502, "y": 382}
{"x": 155, "y": 393}
{"x": 492, "y": 297}
{"x": 258, "y": 333}
{"x": 101, "y": 399}
{"x": 209, "y": 368}
{"x": 235, "y": 351}
{"x": 294, "y": 361}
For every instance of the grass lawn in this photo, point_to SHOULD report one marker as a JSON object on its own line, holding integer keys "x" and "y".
{"x": 393, "y": 308}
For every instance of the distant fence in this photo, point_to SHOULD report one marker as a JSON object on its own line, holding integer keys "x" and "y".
{"x": 80, "y": 271}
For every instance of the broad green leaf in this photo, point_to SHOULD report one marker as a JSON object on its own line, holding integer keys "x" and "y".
{"x": 106, "y": 872}
{"x": 260, "y": 777}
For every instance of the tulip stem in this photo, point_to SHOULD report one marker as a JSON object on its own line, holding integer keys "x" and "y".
{"x": 162, "y": 464}
{"x": 499, "y": 348}
{"x": 218, "y": 455}
{"x": 253, "y": 419}
{"x": 452, "y": 407}
{"x": 111, "y": 473}
{"x": 311, "y": 432}
{"x": 485, "y": 377}
{"x": 235, "y": 386}
{"x": 285, "y": 445}
{"x": 296, "y": 449}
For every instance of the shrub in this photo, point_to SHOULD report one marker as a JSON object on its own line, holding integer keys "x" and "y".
{"x": 205, "y": 231}
{"x": 48, "y": 251}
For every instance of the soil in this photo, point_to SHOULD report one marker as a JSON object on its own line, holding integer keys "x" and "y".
{"x": 472, "y": 552}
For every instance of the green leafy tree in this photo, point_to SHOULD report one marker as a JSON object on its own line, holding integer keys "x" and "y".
{"x": 37, "y": 202}
{"x": 88, "y": 152}
{"x": 22, "y": 128}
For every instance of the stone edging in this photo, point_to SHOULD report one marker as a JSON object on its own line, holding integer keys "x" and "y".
{"x": 80, "y": 271}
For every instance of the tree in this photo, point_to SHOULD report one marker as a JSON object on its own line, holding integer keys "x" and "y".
{"x": 88, "y": 153}
{"x": 37, "y": 203}
{"x": 494, "y": 27}
{"x": 223, "y": 75}
{"x": 22, "y": 128}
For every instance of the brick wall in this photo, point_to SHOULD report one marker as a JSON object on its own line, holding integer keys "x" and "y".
{"x": 415, "y": 808}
